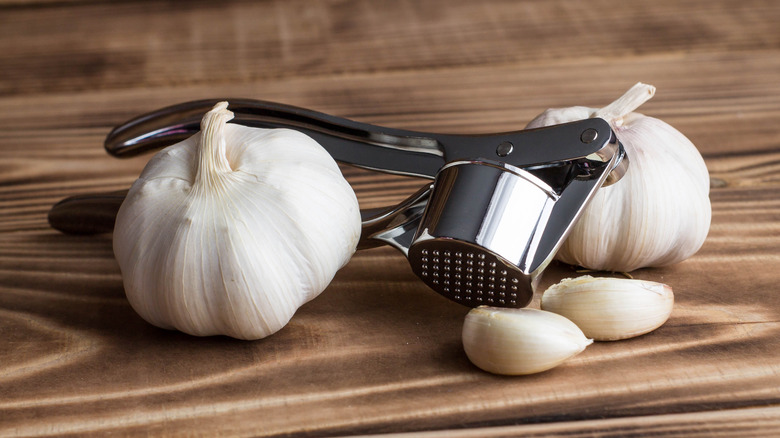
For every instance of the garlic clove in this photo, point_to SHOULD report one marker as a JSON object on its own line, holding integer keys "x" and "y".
{"x": 519, "y": 341}
{"x": 610, "y": 309}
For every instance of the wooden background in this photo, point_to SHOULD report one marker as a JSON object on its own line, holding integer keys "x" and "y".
{"x": 378, "y": 352}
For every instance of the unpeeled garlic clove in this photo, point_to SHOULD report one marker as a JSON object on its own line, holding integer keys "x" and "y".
{"x": 519, "y": 341}
{"x": 610, "y": 309}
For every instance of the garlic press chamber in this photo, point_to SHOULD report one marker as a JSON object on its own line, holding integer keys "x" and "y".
{"x": 481, "y": 233}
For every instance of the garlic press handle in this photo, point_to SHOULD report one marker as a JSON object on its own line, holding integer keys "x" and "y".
{"x": 374, "y": 147}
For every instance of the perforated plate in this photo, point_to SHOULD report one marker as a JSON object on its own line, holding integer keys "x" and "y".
{"x": 468, "y": 274}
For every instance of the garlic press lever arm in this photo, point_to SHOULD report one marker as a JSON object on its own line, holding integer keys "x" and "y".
{"x": 364, "y": 145}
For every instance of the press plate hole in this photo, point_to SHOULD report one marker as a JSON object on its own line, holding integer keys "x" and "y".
{"x": 487, "y": 277}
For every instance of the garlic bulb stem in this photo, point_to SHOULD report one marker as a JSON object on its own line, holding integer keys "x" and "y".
{"x": 626, "y": 104}
{"x": 212, "y": 157}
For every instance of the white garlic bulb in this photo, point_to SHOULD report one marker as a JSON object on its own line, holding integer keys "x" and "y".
{"x": 233, "y": 229}
{"x": 609, "y": 309}
{"x": 659, "y": 213}
{"x": 519, "y": 341}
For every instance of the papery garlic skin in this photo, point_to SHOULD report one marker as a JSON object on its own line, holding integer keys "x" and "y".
{"x": 610, "y": 309}
{"x": 233, "y": 229}
{"x": 519, "y": 341}
{"x": 659, "y": 213}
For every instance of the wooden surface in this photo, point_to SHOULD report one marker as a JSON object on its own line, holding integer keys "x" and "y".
{"x": 378, "y": 352}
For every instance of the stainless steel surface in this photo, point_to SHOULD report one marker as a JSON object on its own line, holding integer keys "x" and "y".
{"x": 490, "y": 229}
{"x": 395, "y": 226}
{"x": 499, "y": 208}
{"x": 483, "y": 210}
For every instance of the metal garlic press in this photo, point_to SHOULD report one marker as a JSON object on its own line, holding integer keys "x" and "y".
{"x": 481, "y": 233}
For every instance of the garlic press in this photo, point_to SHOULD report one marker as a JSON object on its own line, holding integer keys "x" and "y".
{"x": 481, "y": 233}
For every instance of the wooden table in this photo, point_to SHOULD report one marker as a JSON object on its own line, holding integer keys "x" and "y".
{"x": 378, "y": 352}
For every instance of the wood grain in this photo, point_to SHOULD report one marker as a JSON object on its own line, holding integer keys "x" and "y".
{"x": 377, "y": 352}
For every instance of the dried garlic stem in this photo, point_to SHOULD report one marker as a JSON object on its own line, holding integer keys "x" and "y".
{"x": 627, "y": 103}
{"x": 212, "y": 157}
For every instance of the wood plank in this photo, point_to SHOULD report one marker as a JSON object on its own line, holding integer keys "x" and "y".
{"x": 87, "y": 46}
{"x": 738, "y": 422}
{"x": 414, "y": 376}
{"x": 53, "y": 142}
{"x": 465, "y": 100}
{"x": 345, "y": 329}
{"x": 378, "y": 352}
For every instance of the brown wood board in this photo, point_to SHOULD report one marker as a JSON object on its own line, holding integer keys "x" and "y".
{"x": 378, "y": 352}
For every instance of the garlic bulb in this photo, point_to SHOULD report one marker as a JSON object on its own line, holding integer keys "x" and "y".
{"x": 659, "y": 213}
{"x": 231, "y": 230}
{"x": 519, "y": 341}
{"x": 609, "y": 309}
